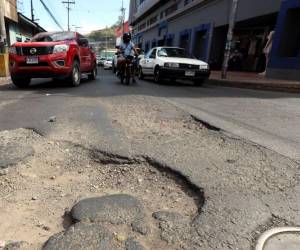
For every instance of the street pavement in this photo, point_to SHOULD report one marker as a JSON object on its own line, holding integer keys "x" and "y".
{"x": 268, "y": 118}
{"x": 247, "y": 171}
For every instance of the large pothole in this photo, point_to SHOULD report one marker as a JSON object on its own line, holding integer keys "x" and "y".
{"x": 37, "y": 193}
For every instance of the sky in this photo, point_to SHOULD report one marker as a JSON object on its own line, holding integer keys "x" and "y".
{"x": 86, "y": 15}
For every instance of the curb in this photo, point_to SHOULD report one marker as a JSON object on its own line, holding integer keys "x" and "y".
{"x": 5, "y": 80}
{"x": 282, "y": 87}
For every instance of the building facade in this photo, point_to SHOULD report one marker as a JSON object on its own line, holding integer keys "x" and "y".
{"x": 21, "y": 30}
{"x": 15, "y": 26}
{"x": 285, "y": 55}
{"x": 201, "y": 27}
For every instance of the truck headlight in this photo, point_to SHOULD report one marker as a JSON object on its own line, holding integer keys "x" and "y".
{"x": 171, "y": 65}
{"x": 60, "y": 48}
{"x": 204, "y": 67}
{"x": 12, "y": 50}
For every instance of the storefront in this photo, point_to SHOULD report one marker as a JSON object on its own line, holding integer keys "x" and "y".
{"x": 250, "y": 37}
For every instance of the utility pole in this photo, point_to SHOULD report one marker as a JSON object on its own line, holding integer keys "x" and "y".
{"x": 32, "y": 11}
{"x": 123, "y": 10}
{"x": 2, "y": 28}
{"x": 232, "y": 19}
{"x": 69, "y": 9}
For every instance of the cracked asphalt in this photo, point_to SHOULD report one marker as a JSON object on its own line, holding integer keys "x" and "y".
{"x": 248, "y": 188}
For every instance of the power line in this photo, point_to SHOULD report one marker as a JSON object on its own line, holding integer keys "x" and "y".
{"x": 68, "y": 8}
{"x": 52, "y": 16}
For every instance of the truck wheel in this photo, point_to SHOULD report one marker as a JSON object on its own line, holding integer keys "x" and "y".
{"x": 21, "y": 82}
{"x": 75, "y": 77}
{"x": 93, "y": 74}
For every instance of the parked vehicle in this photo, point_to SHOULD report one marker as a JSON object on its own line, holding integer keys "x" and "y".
{"x": 58, "y": 55}
{"x": 98, "y": 58}
{"x": 108, "y": 63}
{"x": 127, "y": 73}
{"x": 101, "y": 61}
{"x": 114, "y": 63}
{"x": 173, "y": 63}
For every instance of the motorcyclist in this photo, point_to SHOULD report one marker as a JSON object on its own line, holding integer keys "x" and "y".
{"x": 126, "y": 48}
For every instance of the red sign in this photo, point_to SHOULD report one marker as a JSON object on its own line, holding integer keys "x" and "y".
{"x": 119, "y": 30}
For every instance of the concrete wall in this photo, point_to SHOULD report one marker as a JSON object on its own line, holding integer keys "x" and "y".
{"x": 10, "y": 10}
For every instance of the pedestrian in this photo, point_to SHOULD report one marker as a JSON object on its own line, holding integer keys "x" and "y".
{"x": 267, "y": 50}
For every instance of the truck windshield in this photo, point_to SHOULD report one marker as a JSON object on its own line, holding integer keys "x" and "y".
{"x": 53, "y": 37}
{"x": 174, "y": 52}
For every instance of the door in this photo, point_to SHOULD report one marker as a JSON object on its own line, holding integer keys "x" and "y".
{"x": 147, "y": 63}
{"x": 85, "y": 54}
{"x": 151, "y": 62}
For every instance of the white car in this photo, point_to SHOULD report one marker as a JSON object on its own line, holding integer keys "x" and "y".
{"x": 108, "y": 63}
{"x": 173, "y": 63}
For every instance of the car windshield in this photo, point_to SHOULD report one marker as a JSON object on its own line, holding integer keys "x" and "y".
{"x": 174, "y": 52}
{"x": 53, "y": 37}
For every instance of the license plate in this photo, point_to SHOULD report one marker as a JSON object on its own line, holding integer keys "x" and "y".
{"x": 189, "y": 73}
{"x": 32, "y": 60}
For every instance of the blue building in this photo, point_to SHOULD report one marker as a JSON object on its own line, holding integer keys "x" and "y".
{"x": 285, "y": 54}
{"x": 200, "y": 26}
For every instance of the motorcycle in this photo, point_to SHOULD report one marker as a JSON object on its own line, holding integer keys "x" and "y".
{"x": 128, "y": 71}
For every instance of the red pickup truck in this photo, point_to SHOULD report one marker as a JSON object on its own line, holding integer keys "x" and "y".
{"x": 58, "y": 55}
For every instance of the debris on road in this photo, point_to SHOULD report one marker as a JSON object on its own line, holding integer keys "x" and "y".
{"x": 52, "y": 119}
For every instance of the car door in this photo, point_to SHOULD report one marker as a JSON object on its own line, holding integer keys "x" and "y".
{"x": 151, "y": 62}
{"x": 144, "y": 63}
{"x": 85, "y": 55}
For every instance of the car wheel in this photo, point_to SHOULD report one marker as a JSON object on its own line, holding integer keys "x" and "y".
{"x": 21, "y": 82}
{"x": 157, "y": 75}
{"x": 75, "y": 77}
{"x": 141, "y": 74}
{"x": 93, "y": 74}
{"x": 199, "y": 82}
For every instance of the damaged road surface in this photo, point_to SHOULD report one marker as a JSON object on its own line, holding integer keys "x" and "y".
{"x": 122, "y": 168}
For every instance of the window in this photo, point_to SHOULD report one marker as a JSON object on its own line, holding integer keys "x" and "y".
{"x": 186, "y": 2}
{"x": 174, "y": 52}
{"x": 153, "y": 20}
{"x": 53, "y": 37}
{"x": 171, "y": 9}
{"x": 142, "y": 26}
{"x": 148, "y": 54}
{"x": 153, "y": 54}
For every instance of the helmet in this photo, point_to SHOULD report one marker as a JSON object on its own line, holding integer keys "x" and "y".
{"x": 126, "y": 37}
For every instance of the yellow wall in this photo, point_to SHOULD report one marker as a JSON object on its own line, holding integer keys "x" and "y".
{"x": 4, "y": 69}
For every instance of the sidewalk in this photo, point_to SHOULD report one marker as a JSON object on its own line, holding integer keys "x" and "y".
{"x": 251, "y": 80}
{"x": 4, "y": 80}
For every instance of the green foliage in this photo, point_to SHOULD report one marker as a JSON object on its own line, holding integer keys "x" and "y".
{"x": 101, "y": 35}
